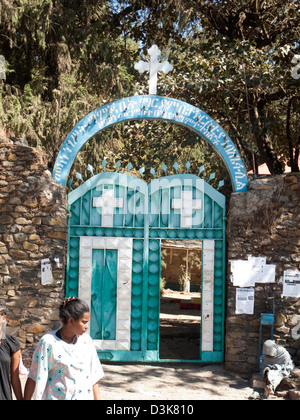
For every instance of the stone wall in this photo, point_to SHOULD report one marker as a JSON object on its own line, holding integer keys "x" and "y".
{"x": 264, "y": 222}
{"x": 33, "y": 226}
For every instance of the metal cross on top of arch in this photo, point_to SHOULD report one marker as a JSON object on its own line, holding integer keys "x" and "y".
{"x": 151, "y": 107}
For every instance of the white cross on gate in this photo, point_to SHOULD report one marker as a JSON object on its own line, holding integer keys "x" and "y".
{"x": 186, "y": 205}
{"x": 154, "y": 66}
{"x": 108, "y": 202}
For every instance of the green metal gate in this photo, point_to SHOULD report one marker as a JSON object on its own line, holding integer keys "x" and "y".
{"x": 104, "y": 294}
{"x": 116, "y": 226}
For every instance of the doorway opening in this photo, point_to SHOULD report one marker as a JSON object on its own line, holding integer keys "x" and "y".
{"x": 180, "y": 302}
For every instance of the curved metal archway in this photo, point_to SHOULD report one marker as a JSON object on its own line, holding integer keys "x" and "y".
{"x": 156, "y": 108}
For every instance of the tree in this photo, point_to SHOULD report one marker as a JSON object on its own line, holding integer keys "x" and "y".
{"x": 66, "y": 58}
{"x": 223, "y": 38}
{"x": 292, "y": 131}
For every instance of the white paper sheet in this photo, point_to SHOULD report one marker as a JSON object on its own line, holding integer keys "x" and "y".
{"x": 2, "y": 327}
{"x": 244, "y": 301}
{"x": 291, "y": 283}
{"x": 257, "y": 267}
{"x": 241, "y": 274}
{"x": 245, "y": 273}
{"x": 268, "y": 275}
{"x": 46, "y": 269}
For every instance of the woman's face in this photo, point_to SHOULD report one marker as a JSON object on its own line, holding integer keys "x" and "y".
{"x": 80, "y": 326}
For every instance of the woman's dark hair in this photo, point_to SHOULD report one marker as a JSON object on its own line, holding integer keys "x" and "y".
{"x": 72, "y": 308}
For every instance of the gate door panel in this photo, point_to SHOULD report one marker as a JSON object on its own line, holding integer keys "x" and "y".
{"x": 107, "y": 262}
{"x": 104, "y": 294}
{"x": 106, "y": 286}
{"x": 116, "y": 225}
{"x": 185, "y": 207}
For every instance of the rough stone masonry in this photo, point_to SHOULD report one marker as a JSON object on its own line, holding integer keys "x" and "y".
{"x": 264, "y": 222}
{"x": 33, "y": 226}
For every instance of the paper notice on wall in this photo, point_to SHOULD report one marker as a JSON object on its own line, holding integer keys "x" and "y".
{"x": 241, "y": 273}
{"x": 245, "y": 273}
{"x": 2, "y": 327}
{"x": 244, "y": 301}
{"x": 46, "y": 269}
{"x": 57, "y": 262}
{"x": 291, "y": 283}
{"x": 257, "y": 265}
{"x": 268, "y": 275}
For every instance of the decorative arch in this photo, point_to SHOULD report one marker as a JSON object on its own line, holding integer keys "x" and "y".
{"x": 151, "y": 107}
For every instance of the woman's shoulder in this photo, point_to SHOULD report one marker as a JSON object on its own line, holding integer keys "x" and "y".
{"x": 13, "y": 343}
{"x": 48, "y": 338}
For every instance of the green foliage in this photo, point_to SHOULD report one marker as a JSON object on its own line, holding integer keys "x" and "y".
{"x": 65, "y": 58}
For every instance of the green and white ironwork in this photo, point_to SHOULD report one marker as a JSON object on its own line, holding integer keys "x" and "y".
{"x": 151, "y": 108}
{"x": 116, "y": 226}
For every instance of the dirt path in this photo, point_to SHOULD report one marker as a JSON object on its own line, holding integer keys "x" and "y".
{"x": 165, "y": 382}
{"x": 179, "y": 339}
{"x": 179, "y": 326}
{"x": 172, "y": 382}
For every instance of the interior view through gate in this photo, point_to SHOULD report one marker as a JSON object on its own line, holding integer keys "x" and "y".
{"x": 180, "y": 301}
{"x": 123, "y": 237}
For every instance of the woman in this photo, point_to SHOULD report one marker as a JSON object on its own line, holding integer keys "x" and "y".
{"x": 10, "y": 354}
{"x": 65, "y": 365}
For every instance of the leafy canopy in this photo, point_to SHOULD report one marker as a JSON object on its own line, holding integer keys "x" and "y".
{"x": 231, "y": 58}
